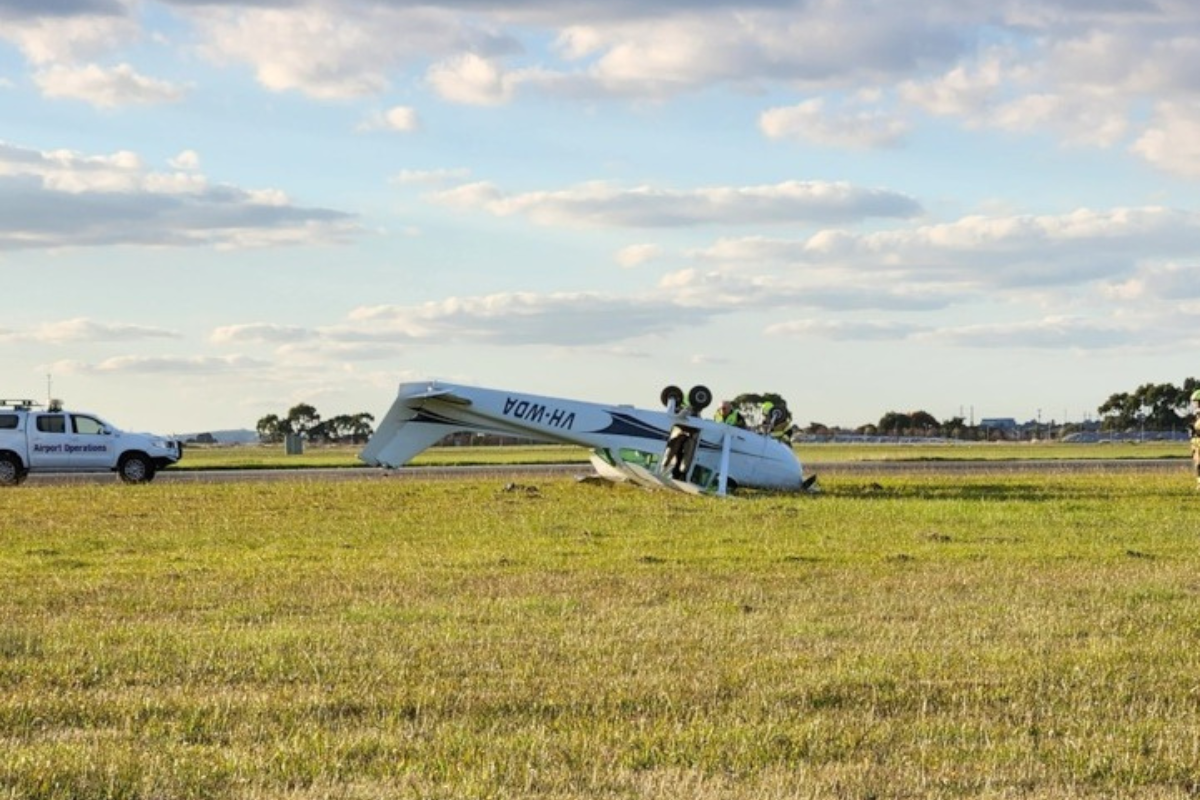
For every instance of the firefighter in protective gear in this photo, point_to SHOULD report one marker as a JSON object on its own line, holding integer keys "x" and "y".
{"x": 1196, "y": 435}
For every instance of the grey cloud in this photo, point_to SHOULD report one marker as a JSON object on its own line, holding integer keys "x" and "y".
{"x": 34, "y": 216}
{"x": 27, "y": 9}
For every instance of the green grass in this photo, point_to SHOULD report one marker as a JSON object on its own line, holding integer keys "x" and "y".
{"x": 989, "y": 451}
{"x": 273, "y": 456}
{"x": 1018, "y": 636}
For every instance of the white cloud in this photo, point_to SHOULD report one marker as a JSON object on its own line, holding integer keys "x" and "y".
{"x": 1020, "y": 251}
{"x": 964, "y": 90}
{"x": 471, "y": 80}
{"x": 565, "y": 319}
{"x": 430, "y": 176}
{"x": 187, "y": 160}
{"x": 159, "y": 365}
{"x": 1052, "y": 333}
{"x": 1171, "y": 141}
{"x": 106, "y": 88}
{"x": 399, "y": 119}
{"x": 331, "y": 50}
{"x": 70, "y": 37}
{"x": 1171, "y": 282}
{"x": 602, "y": 204}
{"x": 637, "y": 254}
{"x": 257, "y": 332}
{"x": 848, "y": 330}
{"x": 87, "y": 330}
{"x": 814, "y": 122}
{"x": 84, "y": 330}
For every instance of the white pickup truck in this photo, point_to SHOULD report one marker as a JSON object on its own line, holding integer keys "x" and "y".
{"x": 54, "y": 440}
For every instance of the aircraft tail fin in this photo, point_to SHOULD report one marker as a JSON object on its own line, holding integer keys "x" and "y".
{"x": 403, "y": 434}
{"x": 399, "y": 444}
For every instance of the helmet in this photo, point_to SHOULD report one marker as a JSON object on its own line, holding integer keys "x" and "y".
{"x": 1196, "y": 396}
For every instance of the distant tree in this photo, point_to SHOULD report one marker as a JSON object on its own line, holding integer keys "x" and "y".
{"x": 955, "y": 428}
{"x": 893, "y": 423}
{"x": 924, "y": 423}
{"x": 302, "y": 417}
{"x": 360, "y": 426}
{"x": 272, "y": 429}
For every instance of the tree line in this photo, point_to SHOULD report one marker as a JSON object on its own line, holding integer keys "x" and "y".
{"x": 1151, "y": 406}
{"x": 303, "y": 420}
{"x": 1157, "y": 406}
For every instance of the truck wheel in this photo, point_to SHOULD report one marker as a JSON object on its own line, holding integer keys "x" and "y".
{"x": 136, "y": 468}
{"x": 11, "y": 471}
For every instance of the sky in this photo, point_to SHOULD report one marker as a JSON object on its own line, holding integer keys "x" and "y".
{"x": 211, "y": 210}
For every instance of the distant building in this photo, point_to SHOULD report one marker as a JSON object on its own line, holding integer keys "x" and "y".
{"x": 999, "y": 423}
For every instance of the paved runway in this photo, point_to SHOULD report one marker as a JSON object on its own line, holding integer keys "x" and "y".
{"x": 532, "y": 470}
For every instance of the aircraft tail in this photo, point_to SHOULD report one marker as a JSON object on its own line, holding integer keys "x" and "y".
{"x": 401, "y": 436}
{"x": 418, "y": 419}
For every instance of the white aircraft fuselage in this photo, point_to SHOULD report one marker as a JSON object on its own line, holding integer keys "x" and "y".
{"x": 672, "y": 448}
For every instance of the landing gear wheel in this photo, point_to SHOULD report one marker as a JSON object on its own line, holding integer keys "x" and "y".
{"x": 672, "y": 393}
{"x": 699, "y": 398}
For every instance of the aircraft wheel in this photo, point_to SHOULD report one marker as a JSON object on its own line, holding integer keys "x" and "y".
{"x": 699, "y": 398}
{"x": 672, "y": 393}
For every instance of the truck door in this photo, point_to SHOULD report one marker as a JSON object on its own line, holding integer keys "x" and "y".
{"x": 91, "y": 443}
{"x": 48, "y": 441}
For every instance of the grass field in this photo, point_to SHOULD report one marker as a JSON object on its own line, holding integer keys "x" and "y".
{"x": 979, "y": 636}
{"x": 273, "y": 456}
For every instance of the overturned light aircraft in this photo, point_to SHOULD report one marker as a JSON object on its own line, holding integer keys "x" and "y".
{"x": 673, "y": 448}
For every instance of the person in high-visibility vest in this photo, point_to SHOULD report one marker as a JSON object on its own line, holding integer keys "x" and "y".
{"x": 775, "y": 420}
{"x": 1196, "y": 436}
{"x": 729, "y": 415}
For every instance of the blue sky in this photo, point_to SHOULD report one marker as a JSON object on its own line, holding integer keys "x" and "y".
{"x": 212, "y": 210}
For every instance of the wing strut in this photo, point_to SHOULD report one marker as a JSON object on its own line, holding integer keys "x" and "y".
{"x": 723, "y": 479}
